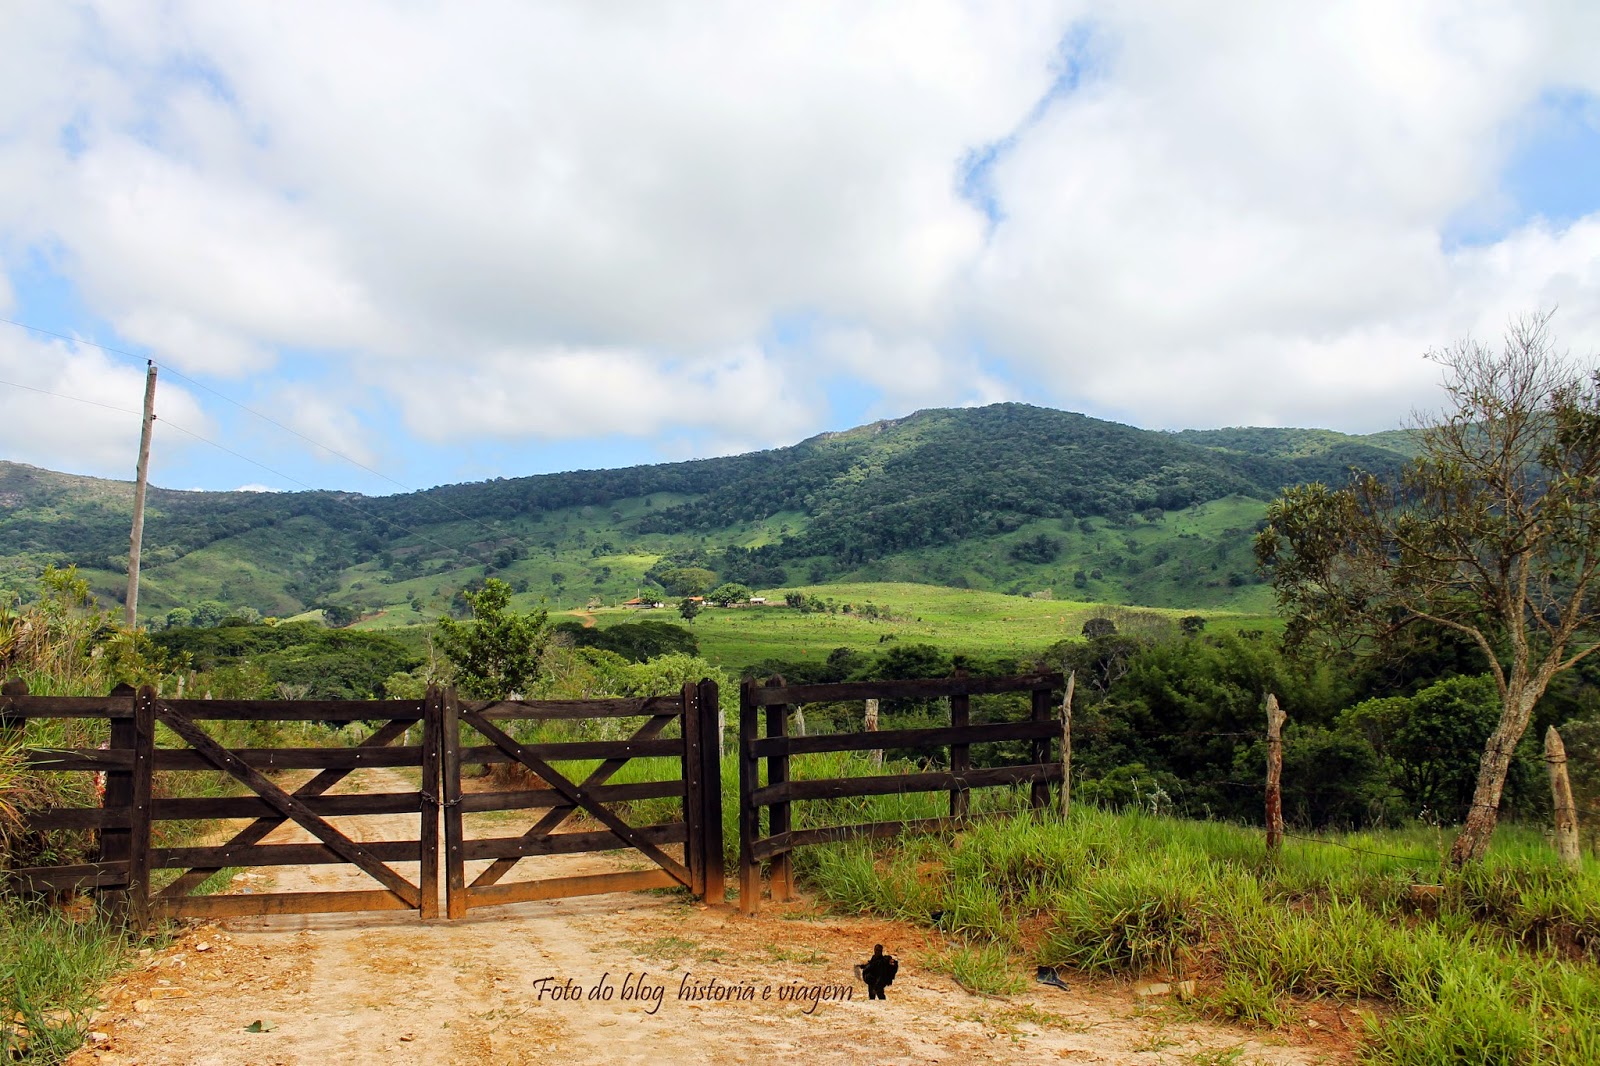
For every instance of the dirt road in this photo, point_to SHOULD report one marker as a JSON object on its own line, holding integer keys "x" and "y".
{"x": 388, "y": 988}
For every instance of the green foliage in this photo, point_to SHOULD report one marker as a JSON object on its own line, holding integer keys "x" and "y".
{"x": 497, "y": 653}
{"x": 1042, "y": 548}
{"x": 729, "y": 594}
{"x": 688, "y": 608}
{"x": 687, "y": 581}
{"x": 634, "y": 641}
{"x": 1430, "y": 742}
{"x": 302, "y": 659}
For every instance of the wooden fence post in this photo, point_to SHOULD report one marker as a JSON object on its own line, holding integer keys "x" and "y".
{"x": 694, "y": 800}
{"x": 781, "y": 877}
{"x": 116, "y": 845}
{"x": 432, "y": 782}
{"x": 455, "y": 859}
{"x": 1275, "y": 719}
{"x": 139, "y": 807}
{"x": 1041, "y": 747}
{"x": 872, "y": 727}
{"x": 709, "y": 701}
{"x": 960, "y": 754}
{"x": 749, "y": 815}
{"x": 1066, "y": 745}
{"x": 1555, "y": 754}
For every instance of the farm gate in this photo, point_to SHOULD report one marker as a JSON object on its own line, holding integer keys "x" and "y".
{"x": 130, "y": 808}
{"x": 677, "y": 782}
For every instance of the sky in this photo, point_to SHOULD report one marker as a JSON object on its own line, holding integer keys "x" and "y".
{"x": 385, "y": 245}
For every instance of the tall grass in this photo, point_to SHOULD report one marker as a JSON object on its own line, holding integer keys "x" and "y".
{"x": 50, "y": 965}
{"x": 1498, "y": 962}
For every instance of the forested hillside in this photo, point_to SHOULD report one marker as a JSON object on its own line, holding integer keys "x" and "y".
{"x": 1010, "y": 497}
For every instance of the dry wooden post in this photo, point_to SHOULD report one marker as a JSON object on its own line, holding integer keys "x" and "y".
{"x": 455, "y": 860}
{"x": 1066, "y": 745}
{"x": 960, "y": 754}
{"x": 778, "y": 819}
{"x": 1555, "y": 754}
{"x": 432, "y": 763}
{"x": 1275, "y": 719}
{"x": 876, "y": 754}
{"x": 749, "y": 815}
{"x": 709, "y": 702}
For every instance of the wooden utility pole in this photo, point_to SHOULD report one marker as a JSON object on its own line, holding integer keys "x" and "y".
{"x": 1275, "y": 718}
{"x": 1066, "y": 745}
{"x": 138, "y": 495}
{"x": 1555, "y": 754}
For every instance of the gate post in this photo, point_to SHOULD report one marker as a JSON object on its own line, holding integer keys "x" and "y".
{"x": 782, "y": 864}
{"x": 428, "y": 837}
{"x": 455, "y": 861}
{"x": 116, "y": 844}
{"x": 144, "y": 759}
{"x": 694, "y": 805}
{"x": 749, "y": 816}
{"x": 707, "y": 703}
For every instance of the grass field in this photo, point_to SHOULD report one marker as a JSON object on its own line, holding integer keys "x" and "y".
{"x": 965, "y": 620}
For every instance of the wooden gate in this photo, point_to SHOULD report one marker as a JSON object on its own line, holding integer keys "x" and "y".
{"x": 692, "y": 776}
{"x": 130, "y": 807}
{"x": 681, "y": 729}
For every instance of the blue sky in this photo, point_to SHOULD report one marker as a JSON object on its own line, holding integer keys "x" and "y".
{"x": 487, "y": 242}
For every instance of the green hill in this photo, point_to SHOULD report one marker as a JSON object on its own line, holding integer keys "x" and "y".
{"x": 1008, "y": 498}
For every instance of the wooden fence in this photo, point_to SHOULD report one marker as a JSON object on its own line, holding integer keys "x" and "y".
{"x": 697, "y": 785}
{"x": 125, "y": 820}
{"x": 781, "y": 791}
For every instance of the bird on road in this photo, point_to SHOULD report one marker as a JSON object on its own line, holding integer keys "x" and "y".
{"x": 878, "y": 972}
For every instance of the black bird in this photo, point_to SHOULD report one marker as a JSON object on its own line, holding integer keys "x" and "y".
{"x": 878, "y": 972}
{"x": 1047, "y": 975}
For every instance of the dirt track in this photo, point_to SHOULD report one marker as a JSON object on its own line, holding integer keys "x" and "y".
{"x": 387, "y": 988}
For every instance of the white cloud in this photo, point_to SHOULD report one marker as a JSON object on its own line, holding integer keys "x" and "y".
{"x": 542, "y": 222}
{"x": 563, "y": 393}
{"x": 65, "y": 407}
{"x": 1242, "y": 220}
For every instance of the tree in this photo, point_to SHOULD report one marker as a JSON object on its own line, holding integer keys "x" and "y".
{"x": 1493, "y": 532}
{"x": 688, "y": 608}
{"x": 729, "y": 594}
{"x": 1098, "y": 627}
{"x": 497, "y": 652}
{"x": 687, "y": 581}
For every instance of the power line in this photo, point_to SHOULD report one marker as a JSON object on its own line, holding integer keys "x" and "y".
{"x": 74, "y": 399}
{"x": 248, "y": 410}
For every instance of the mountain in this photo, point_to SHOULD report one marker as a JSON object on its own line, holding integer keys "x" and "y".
{"x": 1009, "y": 497}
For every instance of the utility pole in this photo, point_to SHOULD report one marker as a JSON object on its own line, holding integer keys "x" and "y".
{"x": 138, "y": 495}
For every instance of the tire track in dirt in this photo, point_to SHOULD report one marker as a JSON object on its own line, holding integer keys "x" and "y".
{"x": 389, "y": 988}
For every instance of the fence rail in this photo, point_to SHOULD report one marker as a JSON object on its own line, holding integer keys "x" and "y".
{"x": 128, "y": 813}
{"x": 778, "y": 701}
